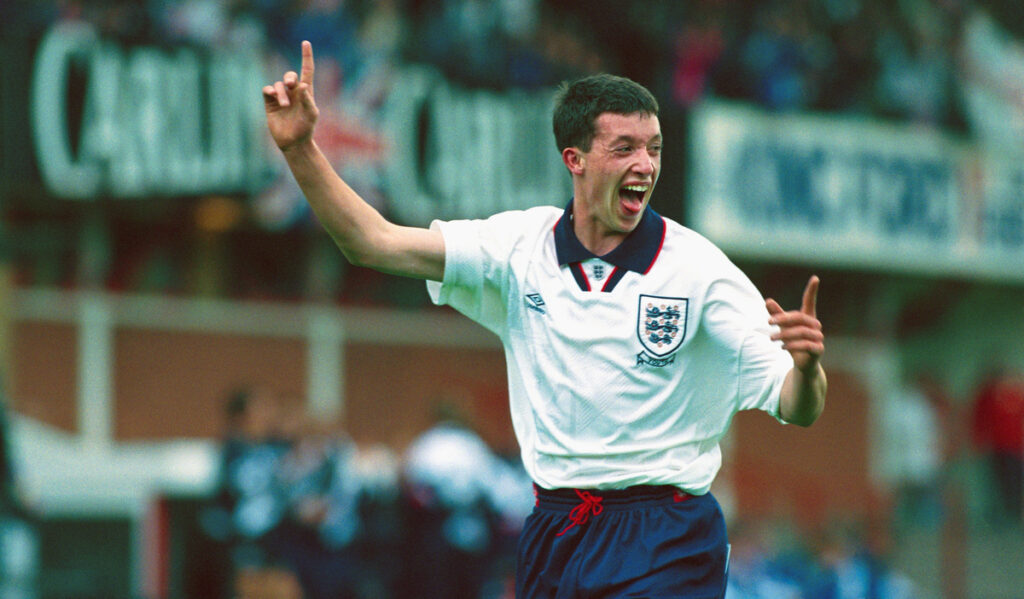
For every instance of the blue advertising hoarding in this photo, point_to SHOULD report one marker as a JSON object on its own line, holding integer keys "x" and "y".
{"x": 852, "y": 193}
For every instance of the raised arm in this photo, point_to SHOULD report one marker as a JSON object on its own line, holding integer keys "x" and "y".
{"x": 363, "y": 234}
{"x": 803, "y": 392}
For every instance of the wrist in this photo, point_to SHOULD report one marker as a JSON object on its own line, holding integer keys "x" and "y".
{"x": 811, "y": 374}
{"x": 297, "y": 149}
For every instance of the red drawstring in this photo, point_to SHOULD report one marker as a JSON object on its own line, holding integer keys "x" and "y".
{"x": 582, "y": 512}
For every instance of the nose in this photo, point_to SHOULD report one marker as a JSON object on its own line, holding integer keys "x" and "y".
{"x": 646, "y": 164}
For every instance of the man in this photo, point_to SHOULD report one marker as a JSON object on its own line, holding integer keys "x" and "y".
{"x": 450, "y": 476}
{"x": 630, "y": 342}
{"x": 997, "y": 429}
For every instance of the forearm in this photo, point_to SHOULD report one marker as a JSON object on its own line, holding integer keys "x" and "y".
{"x": 363, "y": 235}
{"x": 803, "y": 396}
{"x": 348, "y": 219}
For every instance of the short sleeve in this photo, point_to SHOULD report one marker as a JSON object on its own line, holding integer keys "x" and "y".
{"x": 739, "y": 319}
{"x": 478, "y": 257}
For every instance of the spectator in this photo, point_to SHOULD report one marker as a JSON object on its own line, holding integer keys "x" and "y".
{"x": 856, "y": 566}
{"x": 383, "y": 36}
{"x": 848, "y": 85}
{"x": 913, "y": 450}
{"x": 915, "y": 81}
{"x": 752, "y": 572}
{"x": 19, "y": 536}
{"x": 998, "y": 434}
{"x": 318, "y": 485}
{"x": 698, "y": 48}
{"x": 247, "y": 509}
{"x": 377, "y": 468}
{"x": 201, "y": 22}
{"x": 992, "y": 82}
{"x": 448, "y": 472}
{"x": 512, "y": 499}
{"x": 781, "y": 57}
{"x": 331, "y": 25}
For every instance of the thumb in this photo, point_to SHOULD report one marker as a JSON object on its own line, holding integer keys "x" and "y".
{"x": 773, "y": 307}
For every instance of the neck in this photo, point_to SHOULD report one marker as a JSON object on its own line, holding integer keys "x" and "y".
{"x": 594, "y": 235}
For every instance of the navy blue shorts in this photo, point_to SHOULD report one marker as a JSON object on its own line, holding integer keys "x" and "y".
{"x": 641, "y": 542}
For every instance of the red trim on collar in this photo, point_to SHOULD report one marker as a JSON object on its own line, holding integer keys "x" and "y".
{"x": 661, "y": 244}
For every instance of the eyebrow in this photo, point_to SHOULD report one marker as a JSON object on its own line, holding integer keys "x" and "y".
{"x": 631, "y": 139}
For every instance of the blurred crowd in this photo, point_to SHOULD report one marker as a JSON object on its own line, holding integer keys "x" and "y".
{"x": 912, "y": 60}
{"x": 845, "y": 560}
{"x": 950, "y": 65}
{"x": 926, "y": 434}
{"x": 301, "y": 509}
{"x": 946, "y": 465}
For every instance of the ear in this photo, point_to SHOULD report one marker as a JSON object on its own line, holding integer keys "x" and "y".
{"x": 574, "y": 160}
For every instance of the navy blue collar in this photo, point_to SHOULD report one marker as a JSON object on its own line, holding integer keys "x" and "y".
{"x": 637, "y": 252}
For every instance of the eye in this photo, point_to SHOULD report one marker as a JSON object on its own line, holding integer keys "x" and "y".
{"x": 655, "y": 149}
{"x": 623, "y": 150}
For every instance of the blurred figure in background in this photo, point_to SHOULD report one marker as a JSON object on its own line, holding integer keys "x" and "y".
{"x": 990, "y": 76}
{"x": 19, "y": 538}
{"x": 855, "y": 558}
{"x": 753, "y": 573}
{"x": 913, "y": 444}
{"x": 915, "y": 82}
{"x": 321, "y": 493}
{"x": 247, "y": 509}
{"x": 512, "y": 498}
{"x": 377, "y": 468}
{"x": 291, "y": 506}
{"x": 781, "y": 57}
{"x": 998, "y": 434}
{"x": 846, "y": 559}
{"x": 448, "y": 473}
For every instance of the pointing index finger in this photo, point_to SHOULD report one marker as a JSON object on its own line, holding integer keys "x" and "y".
{"x": 810, "y": 302}
{"x": 307, "y": 64}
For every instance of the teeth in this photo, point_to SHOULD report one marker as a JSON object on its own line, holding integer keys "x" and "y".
{"x": 637, "y": 188}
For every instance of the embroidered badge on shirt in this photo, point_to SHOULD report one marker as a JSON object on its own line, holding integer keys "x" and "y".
{"x": 661, "y": 328}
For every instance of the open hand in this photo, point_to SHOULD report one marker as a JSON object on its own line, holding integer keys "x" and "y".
{"x": 291, "y": 109}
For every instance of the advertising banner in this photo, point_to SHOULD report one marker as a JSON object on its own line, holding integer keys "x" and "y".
{"x": 110, "y": 120}
{"x": 844, "y": 192}
{"x": 141, "y": 121}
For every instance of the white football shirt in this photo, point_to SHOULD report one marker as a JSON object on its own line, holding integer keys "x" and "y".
{"x": 624, "y": 369}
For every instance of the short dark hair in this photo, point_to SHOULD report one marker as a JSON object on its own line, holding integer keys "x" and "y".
{"x": 580, "y": 102}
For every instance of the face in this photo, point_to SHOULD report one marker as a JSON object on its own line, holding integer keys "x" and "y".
{"x": 613, "y": 182}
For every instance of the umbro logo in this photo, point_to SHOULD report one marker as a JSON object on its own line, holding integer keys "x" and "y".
{"x": 535, "y": 302}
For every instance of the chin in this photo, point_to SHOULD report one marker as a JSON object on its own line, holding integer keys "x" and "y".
{"x": 628, "y": 226}
{"x": 632, "y": 219}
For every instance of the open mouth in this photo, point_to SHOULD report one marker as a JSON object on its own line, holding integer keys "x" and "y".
{"x": 632, "y": 197}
